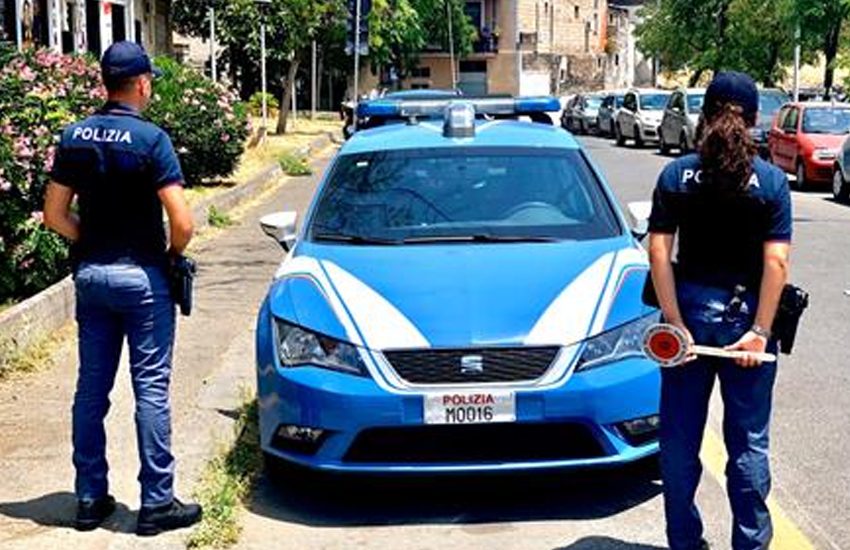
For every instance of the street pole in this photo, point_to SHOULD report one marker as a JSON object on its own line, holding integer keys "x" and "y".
{"x": 356, "y": 61}
{"x": 294, "y": 99}
{"x": 797, "y": 36}
{"x": 212, "y": 45}
{"x": 451, "y": 44}
{"x": 313, "y": 84}
{"x": 263, "y": 74}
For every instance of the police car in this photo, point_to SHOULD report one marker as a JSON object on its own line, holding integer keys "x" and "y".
{"x": 463, "y": 295}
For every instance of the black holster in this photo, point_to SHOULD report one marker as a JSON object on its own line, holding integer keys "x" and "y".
{"x": 182, "y": 276}
{"x": 793, "y": 303}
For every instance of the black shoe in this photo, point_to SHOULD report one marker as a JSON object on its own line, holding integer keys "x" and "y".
{"x": 703, "y": 545}
{"x": 91, "y": 513}
{"x": 153, "y": 521}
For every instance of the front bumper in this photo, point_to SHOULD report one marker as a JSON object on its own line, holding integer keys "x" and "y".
{"x": 819, "y": 171}
{"x": 370, "y": 429}
{"x": 649, "y": 132}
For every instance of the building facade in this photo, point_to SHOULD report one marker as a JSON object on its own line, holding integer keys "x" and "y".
{"x": 77, "y": 26}
{"x": 626, "y": 66}
{"x": 527, "y": 47}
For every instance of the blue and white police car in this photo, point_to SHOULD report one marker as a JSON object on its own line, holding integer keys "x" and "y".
{"x": 463, "y": 295}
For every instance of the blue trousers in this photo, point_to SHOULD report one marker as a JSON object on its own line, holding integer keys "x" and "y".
{"x": 117, "y": 301}
{"x": 747, "y": 396}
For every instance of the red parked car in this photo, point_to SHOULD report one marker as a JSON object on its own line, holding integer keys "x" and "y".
{"x": 805, "y": 140}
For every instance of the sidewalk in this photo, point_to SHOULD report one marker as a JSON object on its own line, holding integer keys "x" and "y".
{"x": 213, "y": 363}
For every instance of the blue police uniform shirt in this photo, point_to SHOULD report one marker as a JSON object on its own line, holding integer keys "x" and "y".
{"x": 721, "y": 235}
{"x": 116, "y": 162}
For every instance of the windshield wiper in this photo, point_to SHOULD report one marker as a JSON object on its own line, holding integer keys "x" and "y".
{"x": 354, "y": 239}
{"x": 480, "y": 238}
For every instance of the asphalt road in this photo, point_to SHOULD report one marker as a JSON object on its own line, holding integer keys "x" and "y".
{"x": 616, "y": 510}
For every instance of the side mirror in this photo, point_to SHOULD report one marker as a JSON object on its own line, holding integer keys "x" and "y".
{"x": 639, "y": 212}
{"x": 280, "y": 226}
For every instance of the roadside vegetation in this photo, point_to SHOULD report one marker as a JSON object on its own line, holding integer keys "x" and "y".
{"x": 226, "y": 483}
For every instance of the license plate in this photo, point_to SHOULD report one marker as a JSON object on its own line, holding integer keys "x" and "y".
{"x": 470, "y": 407}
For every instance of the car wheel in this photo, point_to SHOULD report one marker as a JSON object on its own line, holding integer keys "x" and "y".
{"x": 663, "y": 148}
{"x": 638, "y": 138}
{"x": 618, "y": 135}
{"x": 800, "y": 181}
{"x": 840, "y": 189}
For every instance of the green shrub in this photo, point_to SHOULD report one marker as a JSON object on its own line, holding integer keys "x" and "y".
{"x": 40, "y": 93}
{"x": 206, "y": 122}
{"x": 294, "y": 166}
{"x": 255, "y": 103}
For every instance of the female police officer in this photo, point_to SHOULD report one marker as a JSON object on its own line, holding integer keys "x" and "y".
{"x": 732, "y": 212}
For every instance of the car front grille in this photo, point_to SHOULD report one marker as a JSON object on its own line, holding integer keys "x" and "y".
{"x": 472, "y": 365}
{"x": 474, "y": 444}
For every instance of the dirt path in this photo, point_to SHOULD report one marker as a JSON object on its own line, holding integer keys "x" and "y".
{"x": 214, "y": 363}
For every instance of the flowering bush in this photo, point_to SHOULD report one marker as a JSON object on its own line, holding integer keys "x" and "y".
{"x": 40, "y": 93}
{"x": 205, "y": 121}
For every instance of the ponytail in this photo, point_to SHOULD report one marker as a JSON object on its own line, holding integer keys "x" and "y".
{"x": 726, "y": 149}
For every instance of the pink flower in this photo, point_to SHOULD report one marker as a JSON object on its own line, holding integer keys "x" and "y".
{"x": 37, "y": 216}
{"x": 5, "y": 185}
{"x": 225, "y": 138}
{"x": 27, "y": 263}
{"x": 22, "y": 148}
{"x": 27, "y": 74}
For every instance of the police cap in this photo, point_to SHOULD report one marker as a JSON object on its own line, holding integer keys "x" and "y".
{"x": 125, "y": 59}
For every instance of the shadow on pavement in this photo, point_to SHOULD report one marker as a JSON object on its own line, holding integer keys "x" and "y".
{"x": 606, "y": 543}
{"x": 331, "y": 500}
{"x": 59, "y": 509}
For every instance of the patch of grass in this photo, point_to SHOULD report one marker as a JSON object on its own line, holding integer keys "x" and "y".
{"x": 217, "y": 218}
{"x": 226, "y": 484}
{"x": 36, "y": 356}
{"x": 294, "y": 166}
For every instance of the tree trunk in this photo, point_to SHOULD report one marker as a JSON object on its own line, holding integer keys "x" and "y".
{"x": 722, "y": 26}
{"x": 286, "y": 100}
{"x": 695, "y": 78}
{"x": 830, "y": 51}
{"x": 319, "y": 67}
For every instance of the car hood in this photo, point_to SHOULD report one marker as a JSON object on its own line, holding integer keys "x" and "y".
{"x": 461, "y": 295}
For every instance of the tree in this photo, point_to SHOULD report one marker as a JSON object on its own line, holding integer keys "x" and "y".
{"x": 823, "y": 20}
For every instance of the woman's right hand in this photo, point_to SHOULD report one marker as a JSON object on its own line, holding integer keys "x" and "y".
{"x": 681, "y": 326}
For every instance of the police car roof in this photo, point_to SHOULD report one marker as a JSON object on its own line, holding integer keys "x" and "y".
{"x": 429, "y": 134}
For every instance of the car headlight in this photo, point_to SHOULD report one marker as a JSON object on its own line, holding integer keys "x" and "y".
{"x": 297, "y": 346}
{"x": 616, "y": 344}
{"x": 825, "y": 154}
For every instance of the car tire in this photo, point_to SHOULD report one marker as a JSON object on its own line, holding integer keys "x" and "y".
{"x": 800, "y": 181}
{"x": 618, "y": 135}
{"x": 840, "y": 189}
{"x": 663, "y": 148}
{"x": 639, "y": 143}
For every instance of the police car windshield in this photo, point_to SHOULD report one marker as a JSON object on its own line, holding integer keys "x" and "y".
{"x": 486, "y": 195}
{"x": 826, "y": 120}
{"x": 653, "y": 102}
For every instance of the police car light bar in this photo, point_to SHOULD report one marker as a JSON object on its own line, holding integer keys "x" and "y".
{"x": 436, "y": 108}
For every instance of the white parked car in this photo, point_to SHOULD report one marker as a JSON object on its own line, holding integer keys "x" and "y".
{"x": 640, "y": 116}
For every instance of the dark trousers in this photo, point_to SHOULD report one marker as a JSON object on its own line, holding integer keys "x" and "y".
{"x": 747, "y": 397}
{"x": 114, "y": 302}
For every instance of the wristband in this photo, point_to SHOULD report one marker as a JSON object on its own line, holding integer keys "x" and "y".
{"x": 760, "y": 331}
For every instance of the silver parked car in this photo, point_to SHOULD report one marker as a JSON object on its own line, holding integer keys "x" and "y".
{"x": 841, "y": 176}
{"x": 607, "y": 116}
{"x": 679, "y": 123}
{"x": 640, "y": 116}
{"x": 580, "y": 114}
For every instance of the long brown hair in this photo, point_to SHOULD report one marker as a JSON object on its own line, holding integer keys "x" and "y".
{"x": 726, "y": 149}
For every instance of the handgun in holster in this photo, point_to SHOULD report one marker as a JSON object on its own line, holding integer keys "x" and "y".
{"x": 792, "y": 304}
{"x": 182, "y": 273}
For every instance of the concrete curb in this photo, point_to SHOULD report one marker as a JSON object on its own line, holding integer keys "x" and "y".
{"x": 33, "y": 319}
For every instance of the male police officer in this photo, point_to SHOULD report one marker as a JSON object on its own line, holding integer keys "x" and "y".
{"x": 122, "y": 170}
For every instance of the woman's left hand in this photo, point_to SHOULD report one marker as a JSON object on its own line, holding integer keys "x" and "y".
{"x": 751, "y": 342}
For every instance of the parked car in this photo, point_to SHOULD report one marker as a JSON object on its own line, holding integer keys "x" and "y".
{"x": 640, "y": 116}
{"x": 580, "y": 115}
{"x": 611, "y": 103}
{"x": 680, "y": 119}
{"x": 387, "y": 343}
{"x": 841, "y": 174}
{"x": 805, "y": 140}
{"x": 770, "y": 101}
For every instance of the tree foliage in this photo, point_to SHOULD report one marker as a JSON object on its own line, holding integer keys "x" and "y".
{"x": 755, "y": 36}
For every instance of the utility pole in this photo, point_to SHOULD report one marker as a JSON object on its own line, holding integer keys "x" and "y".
{"x": 356, "y": 61}
{"x": 213, "y": 71}
{"x": 263, "y": 74}
{"x": 314, "y": 83}
{"x": 797, "y": 38}
{"x": 451, "y": 44}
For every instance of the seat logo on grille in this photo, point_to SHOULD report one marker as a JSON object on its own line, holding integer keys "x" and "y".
{"x": 472, "y": 364}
